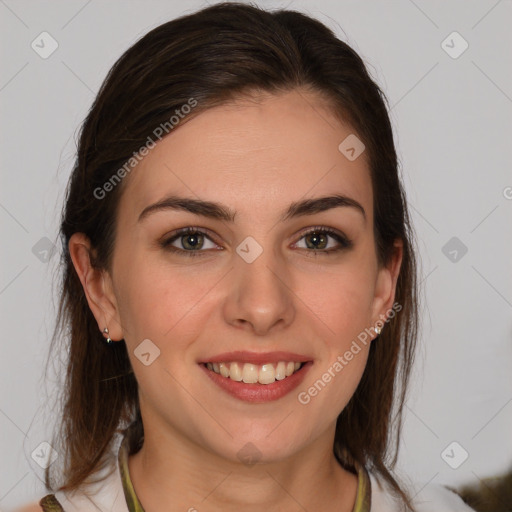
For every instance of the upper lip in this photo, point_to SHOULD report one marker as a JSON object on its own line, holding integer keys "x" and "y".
{"x": 258, "y": 358}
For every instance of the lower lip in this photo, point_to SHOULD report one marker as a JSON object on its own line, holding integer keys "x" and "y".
{"x": 258, "y": 393}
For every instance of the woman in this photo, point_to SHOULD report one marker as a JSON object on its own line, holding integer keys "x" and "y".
{"x": 239, "y": 279}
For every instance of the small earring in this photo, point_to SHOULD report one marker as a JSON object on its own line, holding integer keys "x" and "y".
{"x": 378, "y": 330}
{"x": 108, "y": 340}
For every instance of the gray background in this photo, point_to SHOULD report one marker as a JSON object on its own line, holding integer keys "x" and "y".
{"x": 452, "y": 118}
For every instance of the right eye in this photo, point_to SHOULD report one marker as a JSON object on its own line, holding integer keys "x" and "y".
{"x": 191, "y": 240}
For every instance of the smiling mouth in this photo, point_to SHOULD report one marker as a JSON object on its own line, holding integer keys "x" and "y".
{"x": 254, "y": 373}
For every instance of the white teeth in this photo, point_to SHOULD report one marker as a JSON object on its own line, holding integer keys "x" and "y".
{"x": 235, "y": 372}
{"x": 267, "y": 374}
{"x": 280, "y": 370}
{"x": 224, "y": 370}
{"x": 252, "y": 373}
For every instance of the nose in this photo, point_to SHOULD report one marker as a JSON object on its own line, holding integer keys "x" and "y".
{"x": 260, "y": 297}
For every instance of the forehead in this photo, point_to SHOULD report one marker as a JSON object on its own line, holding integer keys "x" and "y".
{"x": 252, "y": 153}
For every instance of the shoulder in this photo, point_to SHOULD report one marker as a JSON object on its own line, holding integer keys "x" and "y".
{"x": 29, "y": 507}
{"x": 429, "y": 497}
{"x": 102, "y": 492}
{"x": 48, "y": 503}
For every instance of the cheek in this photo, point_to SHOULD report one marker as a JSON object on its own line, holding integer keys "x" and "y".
{"x": 331, "y": 386}
{"x": 158, "y": 301}
{"x": 340, "y": 299}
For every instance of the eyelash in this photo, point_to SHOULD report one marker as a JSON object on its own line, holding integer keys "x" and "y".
{"x": 344, "y": 242}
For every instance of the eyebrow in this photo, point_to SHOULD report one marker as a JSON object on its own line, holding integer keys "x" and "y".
{"x": 218, "y": 211}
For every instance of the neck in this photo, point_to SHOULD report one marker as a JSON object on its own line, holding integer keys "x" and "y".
{"x": 171, "y": 473}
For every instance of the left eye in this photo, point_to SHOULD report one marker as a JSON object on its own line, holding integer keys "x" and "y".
{"x": 318, "y": 239}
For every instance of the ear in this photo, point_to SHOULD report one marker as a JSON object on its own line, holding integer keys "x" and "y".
{"x": 385, "y": 286}
{"x": 97, "y": 285}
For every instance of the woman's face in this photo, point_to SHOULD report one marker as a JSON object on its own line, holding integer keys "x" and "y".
{"x": 253, "y": 284}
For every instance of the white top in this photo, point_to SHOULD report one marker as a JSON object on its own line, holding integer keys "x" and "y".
{"x": 432, "y": 498}
{"x": 109, "y": 496}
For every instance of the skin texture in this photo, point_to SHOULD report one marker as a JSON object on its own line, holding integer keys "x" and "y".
{"x": 256, "y": 156}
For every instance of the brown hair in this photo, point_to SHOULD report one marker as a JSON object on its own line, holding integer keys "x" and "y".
{"x": 216, "y": 55}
